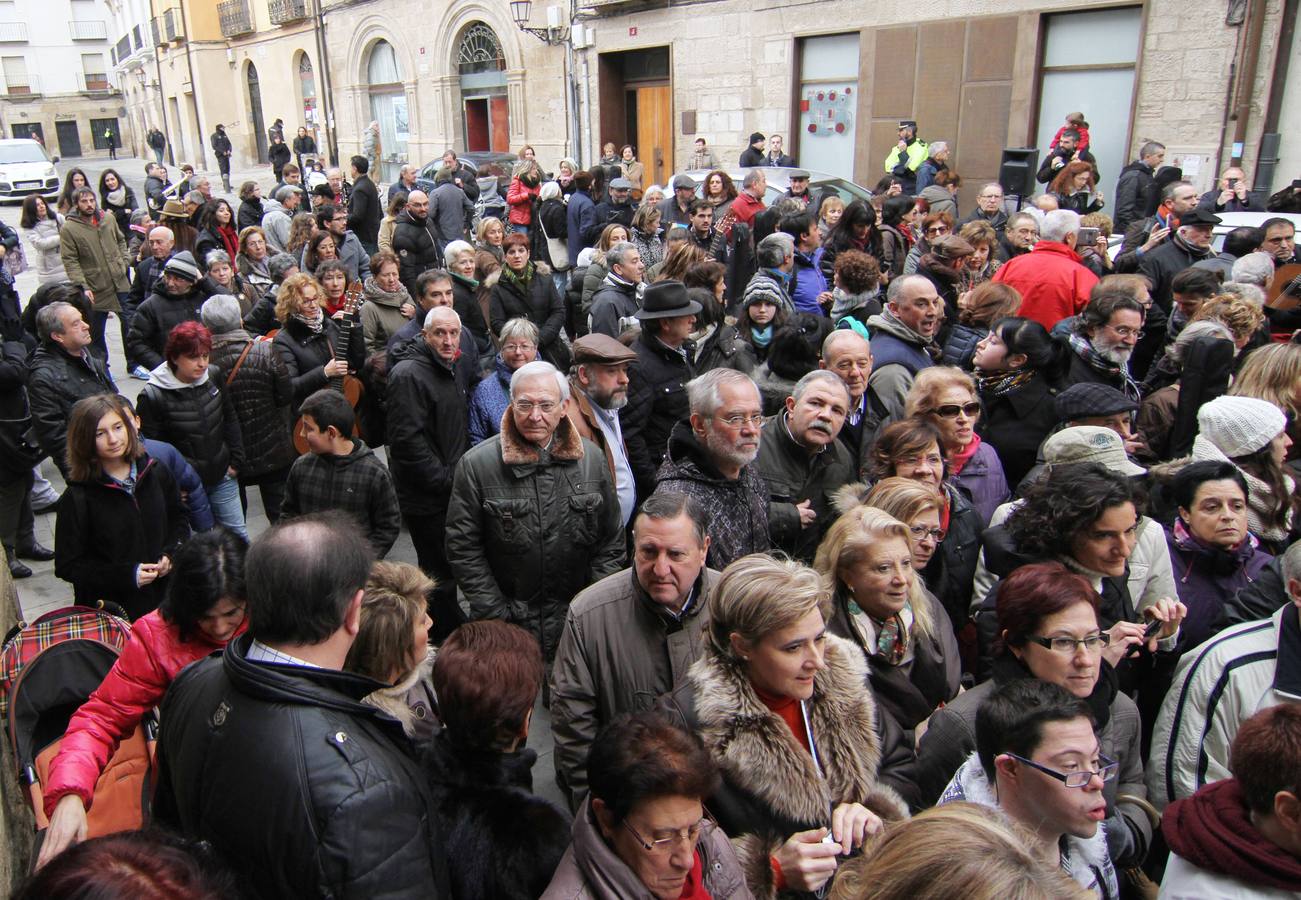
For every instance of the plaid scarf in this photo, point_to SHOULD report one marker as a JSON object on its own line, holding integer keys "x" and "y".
{"x": 1104, "y": 366}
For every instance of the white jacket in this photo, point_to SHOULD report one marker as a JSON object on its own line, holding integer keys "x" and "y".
{"x": 1151, "y": 576}
{"x": 1185, "y": 881}
{"x": 1217, "y": 687}
{"x": 44, "y": 238}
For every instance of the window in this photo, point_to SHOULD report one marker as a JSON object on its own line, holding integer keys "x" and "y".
{"x": 96, "y": 73}
{"x": 383, "y": 65}
{"x": 828, "y": 101}
{"x": 97, "y": 129}
{"x": 479, "y": 51}
{"x": 17, "y": 81}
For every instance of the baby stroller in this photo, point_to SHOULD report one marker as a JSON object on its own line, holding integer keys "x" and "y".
{"x": 47, "y": 670}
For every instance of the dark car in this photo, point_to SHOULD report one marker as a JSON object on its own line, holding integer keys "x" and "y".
{"x": 492, "y": 171}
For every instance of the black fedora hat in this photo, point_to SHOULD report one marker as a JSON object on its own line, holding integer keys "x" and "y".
{"x": 666, "y": 299}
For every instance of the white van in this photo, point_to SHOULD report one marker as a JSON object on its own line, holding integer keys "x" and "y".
{"x": 25, "y": 168}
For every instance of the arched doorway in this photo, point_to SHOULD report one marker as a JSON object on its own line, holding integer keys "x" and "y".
{"x": 388, "y": 107}
{"x": 307, "y": 91}
{"x": 481, "y": 66}
{"x": 255, "y": 113}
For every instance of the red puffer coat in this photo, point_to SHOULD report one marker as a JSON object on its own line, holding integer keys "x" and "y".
{"x": 153, "y": 657}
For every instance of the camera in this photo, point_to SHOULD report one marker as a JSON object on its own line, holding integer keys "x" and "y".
{"x": 1088, "y": 237}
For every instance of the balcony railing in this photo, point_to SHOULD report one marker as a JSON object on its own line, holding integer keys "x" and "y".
{"x": 173, "y": 28}
{"x": 136, "y": 40}
{"x": 235, "y": 17}
{"x": 122, "y": 49}
{"x": 88, "y": 30}
{"x": 22, "y": 86}
{"x": 285, "y": 11}
{"x": 13, "y": 32}
{"x": 94, "y": 82}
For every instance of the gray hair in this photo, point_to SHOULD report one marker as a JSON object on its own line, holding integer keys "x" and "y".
{"x": 1292, "y": 564}
{"x": 550, "y": 191}
{"x": 170, "y": 235}
{"x": 197, "y": 180}
{"x": 991, "y": 184}
{"x": 1149, "y": 148}
{"x": 284, "y": 192}
{"x": 1058, "y": 224}
{"x": 437, "y": 311}
{"x": 1210, "y": 328}
{"x": 753, "y": 177}
{"x": 704, "y": 392}
{"x": 774, "y": 250}
{"x": 1023, "y": 214}
{"x": 517, "y": 329}
{"x": 278, "y": 266}
{"x": 618, "y": 254}
{"x": 1251, "y": 292}
{"x": 453, "y": 252}
{"x": 216, "y": 256}
{"x": 938, "y": 147}
{"x": 824, "y": 375}
{"x": 829, "y": 343}
{"x": 196, "y": 197}
{"x": 49, "y": 319}
{"x": 1253, "y": 268}
{"x": 535, "y": 369}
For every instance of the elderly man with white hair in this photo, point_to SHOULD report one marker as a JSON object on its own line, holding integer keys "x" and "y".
{"x": 1191, "y": 243}
{"x": 1053, "y": 284}
{"x": 534, "y": 517}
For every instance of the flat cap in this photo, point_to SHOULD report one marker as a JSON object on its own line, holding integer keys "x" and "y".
{"x": 601, "y": 349}
{"x": 620, "y": 184}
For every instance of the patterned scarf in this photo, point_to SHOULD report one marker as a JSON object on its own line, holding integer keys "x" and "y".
{"x": 315, "y": 323}
{"x": 520, "y": 279}
{"x": 1000, "y": 384}
{"x": 1101, "y": 364}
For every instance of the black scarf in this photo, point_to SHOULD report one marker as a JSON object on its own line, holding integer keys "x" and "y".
{"x": 1008, "y": 668}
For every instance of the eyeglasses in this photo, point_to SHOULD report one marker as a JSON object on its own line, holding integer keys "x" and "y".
{"x": 951, "y": 410}
{"x": 1093, "y": 643}
{"x": 1124, "y": 331}
{"x": 937, "y": 229}
{"x": 660, "y": 846}
{"x": 921, "y": 532}
{"x": 1076, "y": 779}
{"x": 921, "y": 460}
{"x": 524, "y": 407}
{"x": 739, "y": 421}
{"x": 522, "y": 347}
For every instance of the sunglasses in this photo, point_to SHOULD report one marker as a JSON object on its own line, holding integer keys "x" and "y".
{"x": 950, "y": 411}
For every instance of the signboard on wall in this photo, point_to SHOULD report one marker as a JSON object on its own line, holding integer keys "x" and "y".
{"x": 827, "y": 111}
{"x": 828, "y": 99}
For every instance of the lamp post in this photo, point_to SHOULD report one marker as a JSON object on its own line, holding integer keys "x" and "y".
{"x": 556, "y": 33}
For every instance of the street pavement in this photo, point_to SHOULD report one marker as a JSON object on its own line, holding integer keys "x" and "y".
{"x": 43, "y": 591}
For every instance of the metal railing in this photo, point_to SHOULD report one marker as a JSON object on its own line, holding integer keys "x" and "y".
{"x": 122, "y": 49}
{"x": 286, "y": 11}
{"x": 235, "y": 17}
{"x": 88, "y": 30}
{"x": 173, "y": 28}
{"x": 136, "y": 40}
{"x": 23, "y": 86}
{"x": 13, "y": 32}
{"x": 94, "y": 82}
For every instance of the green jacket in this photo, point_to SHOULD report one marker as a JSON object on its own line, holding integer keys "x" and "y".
{"x": 917, "y": 152}
{"x": 95, "y": 256}
{"x": 525, "y": 535}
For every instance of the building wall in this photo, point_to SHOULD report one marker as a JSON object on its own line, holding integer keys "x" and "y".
{"x": 136, "y": 73}
{"x": 733, "y": 65}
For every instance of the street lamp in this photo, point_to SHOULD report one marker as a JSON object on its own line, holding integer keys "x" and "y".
{"x": 554, "y": 33}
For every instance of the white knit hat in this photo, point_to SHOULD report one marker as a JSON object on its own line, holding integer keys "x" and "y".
{"x": 1239, "y": 426}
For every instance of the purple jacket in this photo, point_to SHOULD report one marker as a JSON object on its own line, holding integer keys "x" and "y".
{"x": 981, "y": 481}
{"x": 1207, "y": 576}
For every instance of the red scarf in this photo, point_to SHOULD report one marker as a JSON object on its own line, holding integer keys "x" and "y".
{"x": 788, "y": 708}
{"x": 1212, "y": 830}
{"x": 962, "y": 457}
{"x": 230, "y": 239}
{"x": 694, "y": 887}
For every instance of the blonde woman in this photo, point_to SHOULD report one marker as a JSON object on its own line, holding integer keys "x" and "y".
{"x": 785, "y": 711}
{"x": 392, "y": 646}
{"x": 307, "y": 337}
{"x": 1273, "y": 373}
{"x": 646, "y": 235}
{"x": 869, "y": 559}
{"x": 489, "y": 237}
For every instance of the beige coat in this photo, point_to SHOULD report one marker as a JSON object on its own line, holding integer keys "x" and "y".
{"x": 95, "y": 256}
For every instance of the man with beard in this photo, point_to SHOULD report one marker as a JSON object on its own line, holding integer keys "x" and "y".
{"x": 1051, "y": 280}
{"x": 710, "y": 458}
{"x": 1103, "y": 341}
{"x": 1191, "y": 243}
{"x": 599, "y": 389}
{"x": 415, "y": 241}
{"x": 803, "y": 464}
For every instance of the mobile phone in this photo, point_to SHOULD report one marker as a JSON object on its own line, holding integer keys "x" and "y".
{"x": 1088, "y": 237}
{"x": 1233, "y": 182}
{"x": 1152, "y": 628}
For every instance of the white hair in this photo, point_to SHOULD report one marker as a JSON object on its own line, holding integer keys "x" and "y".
{"x": 429, "y": 316}
{"x": 550, "y": 191}
{"x": 453, "y": 252}
{"x": 938, "y": 147}
{"x": 1253, "y": 268}
{"x": 1058, "y": 223}
{"x": 519, "y": 328}
{"x": 535, "y": 369}
{"x": 704, "y": 392}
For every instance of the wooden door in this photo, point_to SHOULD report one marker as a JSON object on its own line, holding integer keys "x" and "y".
{"x": 499, "y": 112}
{"x": 655, "y": 134}
{"x": 476, "y": 125}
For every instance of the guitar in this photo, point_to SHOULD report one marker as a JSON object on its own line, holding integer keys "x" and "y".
{"x": 1285, "y": 290}
{"x": 348, "y": 385}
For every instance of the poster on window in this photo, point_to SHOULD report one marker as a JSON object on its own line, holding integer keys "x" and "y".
{"x": 828, "y": 111}
{"x": 400, "y": 127}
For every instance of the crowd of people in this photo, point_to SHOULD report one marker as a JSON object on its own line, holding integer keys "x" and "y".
{"x": 852, "y": 546}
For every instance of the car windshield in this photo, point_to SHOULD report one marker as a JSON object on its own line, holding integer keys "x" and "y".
{"x": 22, "y": 153}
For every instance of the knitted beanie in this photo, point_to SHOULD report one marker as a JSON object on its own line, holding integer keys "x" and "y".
{"x": 1239, "y": 426}
{"x": 220, "y": 314}
{"x": 182, "y": 265}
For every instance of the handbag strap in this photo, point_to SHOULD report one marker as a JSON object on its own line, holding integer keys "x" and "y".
{"x": 239, "y": 362}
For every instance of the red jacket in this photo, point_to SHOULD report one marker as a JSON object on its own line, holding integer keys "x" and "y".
{"x": 153, "y": 657}
{"x": 745, "y": 207}
{"x": 520, "y": 199}
{"x": 1052, "y": 282}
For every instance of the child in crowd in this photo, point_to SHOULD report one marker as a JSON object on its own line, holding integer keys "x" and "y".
{"x": 341, "y": 472}
{"x": 1074, "y": 122}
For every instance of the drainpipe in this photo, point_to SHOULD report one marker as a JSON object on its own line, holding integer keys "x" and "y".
{"x": 327, "y": 92}
{"x": 162, "y": 106}
{"x": 189, "y": 64}
{"x": 1255, "y": 26}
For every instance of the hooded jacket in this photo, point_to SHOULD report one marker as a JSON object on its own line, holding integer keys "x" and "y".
{"x": 450, "y": 209}
{"x": 295, "y": 750}
{"x": 276, "y": 221}
{"x": 357, "y": 484}
{"x": 416, "y": 243}
{"x": 1216, "y": 851}
{"x": 771, "y": 788}
{"x": 737, "y": 511}
{"x": 1051, "y": 280}
{"x": 1132, "y": 190}
{"x": 1084, "y": 859}
{"x": 94, "y": 255}
{"x": 590, "y": 870}
{"x": 198, "y": 419}
{"x": 527, "y": 529}
{"x": 940, "y": 199}
{"x": 614, "y": 305}
{"x": 153, "y": 656}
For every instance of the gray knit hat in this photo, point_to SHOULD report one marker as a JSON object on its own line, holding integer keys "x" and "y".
{"x": 1239, "y": 426}
{"x": 182, "y": 265}
{"x": 220, "y": 313}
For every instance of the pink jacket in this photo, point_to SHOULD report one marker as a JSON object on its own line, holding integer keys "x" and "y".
{"x": 153, "y": 657}
{"x": 520, "y": 200}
